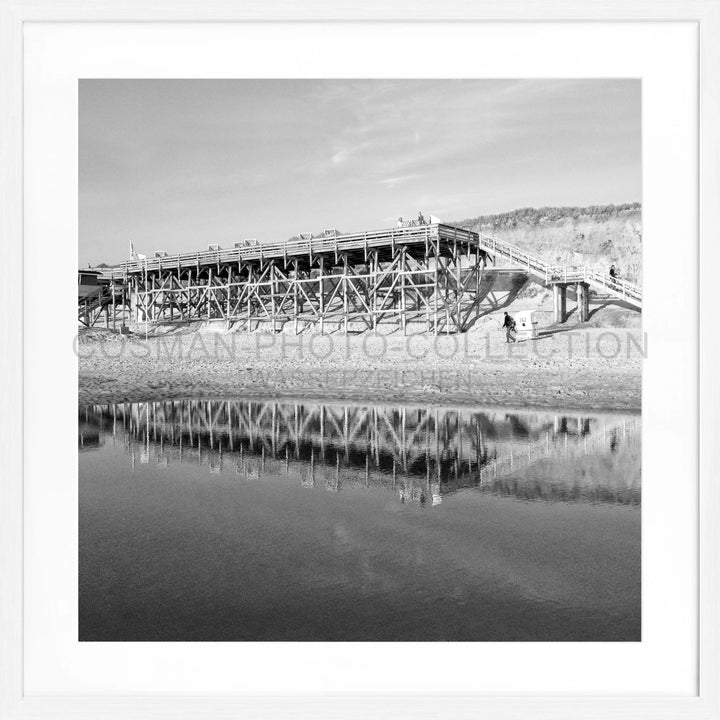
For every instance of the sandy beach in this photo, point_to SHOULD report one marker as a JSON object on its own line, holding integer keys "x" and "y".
{"x": 568, "y": 367}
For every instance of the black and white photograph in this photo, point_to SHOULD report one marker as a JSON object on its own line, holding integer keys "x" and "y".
{"x": 360, "y": 360}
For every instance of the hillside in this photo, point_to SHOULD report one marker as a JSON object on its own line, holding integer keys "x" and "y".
{"x": 596, "y": 236}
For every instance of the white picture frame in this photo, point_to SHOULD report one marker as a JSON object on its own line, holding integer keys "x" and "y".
{"x": 15, "y": 703}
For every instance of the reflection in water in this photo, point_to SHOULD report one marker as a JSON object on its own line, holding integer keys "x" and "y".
{"x": 423, "y": 454}
{"x": 252, "y": 520}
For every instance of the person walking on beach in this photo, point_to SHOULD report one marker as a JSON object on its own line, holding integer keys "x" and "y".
{"x": 509, "y": 326}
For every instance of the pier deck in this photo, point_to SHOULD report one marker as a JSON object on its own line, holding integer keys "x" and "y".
{"x": 356, "y": 246}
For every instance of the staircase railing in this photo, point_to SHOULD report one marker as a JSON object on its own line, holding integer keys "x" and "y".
{"x": 569, "y": 273}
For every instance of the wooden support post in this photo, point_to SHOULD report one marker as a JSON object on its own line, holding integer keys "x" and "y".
{"x": 209, "y": 291}
{"x": 172, "y": 295}
{"x": 145, "y": 295}
{"x": 227, "y": 296}
{"x": 295, "y": 295}
{"x": 458, "y": 298}
{"x": 556, "y": 304}
{"x": 586, "y": 302}
{"x": 373, "y": 305}
{"x": 135, "y": 299}
{"x": 132, "y": 299}
{"x": 559, "y": 302}
{"x": 436, "y": 292}
{"x": 272, "y": 294}
{"x": 479, "y": 267}
{"x": 403, "y": 290}
{"x": 322, "y": 293}
{"x": 249, "y": 303}
{"x": 583, "y": 301}
{"x": 345, "y": 292}
{"x": 579, "y": 300}
{"x": 447, "y": 297}
{"x": 184, "y": 295}
{"x": 146, "y": 300}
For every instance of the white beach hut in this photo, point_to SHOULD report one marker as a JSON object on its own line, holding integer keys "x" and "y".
{"x": 527, "y": 324}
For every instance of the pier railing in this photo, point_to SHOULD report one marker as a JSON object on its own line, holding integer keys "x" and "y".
{"x": 322, "y": 245}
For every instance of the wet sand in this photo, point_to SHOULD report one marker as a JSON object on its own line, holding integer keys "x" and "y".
{"x": 568, "y": 367}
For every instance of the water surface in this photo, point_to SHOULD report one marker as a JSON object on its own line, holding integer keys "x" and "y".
{"x": 247, "y": 520}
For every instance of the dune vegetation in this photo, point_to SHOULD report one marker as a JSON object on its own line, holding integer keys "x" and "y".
{"x": 596, "y": 236}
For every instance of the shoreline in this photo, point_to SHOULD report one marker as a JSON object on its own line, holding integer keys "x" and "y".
{"x": 477, "y": 370}
{"x": 88, "y": 398}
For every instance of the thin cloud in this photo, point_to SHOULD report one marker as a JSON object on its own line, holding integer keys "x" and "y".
{"x": 392, "y": 182}
{"x": 346, "y": 152}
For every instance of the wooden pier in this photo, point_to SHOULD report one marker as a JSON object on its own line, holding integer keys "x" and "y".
{"x": 356, "y": 281}
{"x": 423, "y": 274}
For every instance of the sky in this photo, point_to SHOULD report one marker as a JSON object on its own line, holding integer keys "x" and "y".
{"x": 177, "y": 165}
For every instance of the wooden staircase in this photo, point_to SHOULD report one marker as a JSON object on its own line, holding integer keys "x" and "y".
{"x": 562, "y": 275}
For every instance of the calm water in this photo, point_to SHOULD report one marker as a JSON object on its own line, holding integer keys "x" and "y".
{"x": 237, "y": 520}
